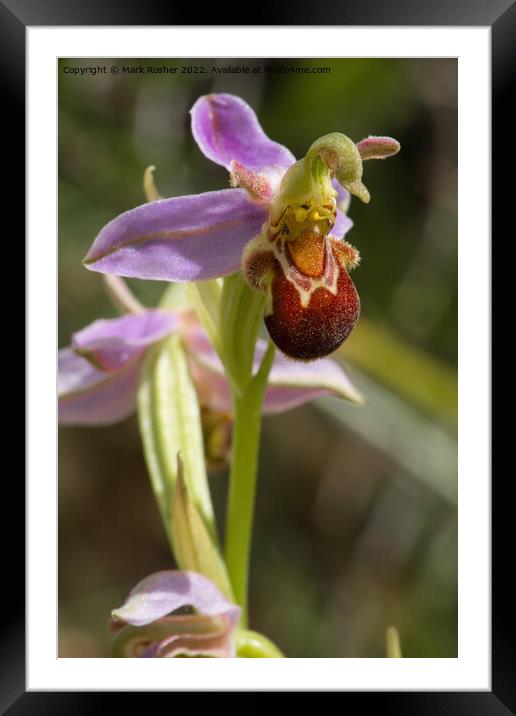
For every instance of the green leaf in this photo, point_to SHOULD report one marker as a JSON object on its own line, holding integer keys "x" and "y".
{"x": 194, "y": 547}
{"x": 170, "y": 422}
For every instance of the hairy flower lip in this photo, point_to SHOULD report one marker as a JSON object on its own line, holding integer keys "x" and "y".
{"x": 311, "y": 330}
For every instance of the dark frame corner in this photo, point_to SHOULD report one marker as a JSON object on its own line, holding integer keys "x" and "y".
{"x": 500, "y": 15}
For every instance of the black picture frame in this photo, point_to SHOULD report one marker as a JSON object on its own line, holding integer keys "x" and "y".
{"x": 500, "y": 16}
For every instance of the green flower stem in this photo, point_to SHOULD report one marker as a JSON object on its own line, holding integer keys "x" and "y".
{"x": 247, "y": 406}
{"x": 241, "y": 311}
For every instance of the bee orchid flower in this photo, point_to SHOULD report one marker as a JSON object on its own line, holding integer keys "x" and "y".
{"x": 282, "y": 223}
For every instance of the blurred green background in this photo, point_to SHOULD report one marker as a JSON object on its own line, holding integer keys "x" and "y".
{"x": 356, "y": 511}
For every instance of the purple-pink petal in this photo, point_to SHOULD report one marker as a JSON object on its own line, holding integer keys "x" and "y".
{"x": 186, "y": 238}
{"x": 163, "y": 592}
{"x": 88, "y": 396}
{"x": 227, "y": 129}
{"x": 343, "y": 195}
{"x": 109, "y": 344}
{"x": 342, "y": 225}
{"x": 290, "y": 384}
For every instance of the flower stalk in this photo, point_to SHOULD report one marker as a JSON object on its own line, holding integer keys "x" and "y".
{"x": 240, "y": 317}
{"x": 242, "y": 482}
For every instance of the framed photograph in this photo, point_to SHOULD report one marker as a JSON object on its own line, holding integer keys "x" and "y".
{"x": 271, "y": 435}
